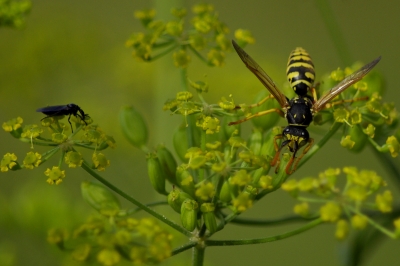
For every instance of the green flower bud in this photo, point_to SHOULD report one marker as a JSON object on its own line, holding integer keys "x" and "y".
{"x": 133, "y": 126}
{"x": 189, "y": 210}
{"x": 168, "y": 163}
{"x": 185, "y": 180}
{"x": 176, "y": 198}
{"x": 156, "y": 174}
{"x": 255, "y": 141}
{"x": 251, "y": 191}
{"x": 100, "y": 198}
{"x": 360, "y": 139}
{"x": 267, "y": 149}
{"x": 209, "y": 217}
{"x": 267, "y": 121}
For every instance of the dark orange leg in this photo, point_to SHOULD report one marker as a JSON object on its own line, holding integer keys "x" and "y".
{"x": 306, "y": 149}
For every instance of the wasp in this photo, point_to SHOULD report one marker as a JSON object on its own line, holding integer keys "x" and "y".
{"x": 68, "y": 109}
{"x": 300, "y": 110}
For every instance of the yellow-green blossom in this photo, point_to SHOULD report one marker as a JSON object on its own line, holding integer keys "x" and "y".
{"x": 302, "y": 209}
{"x": 108, "y": 257}
{"x": 359, "y": 221}
{"x": 216, "y": 57}
{"x": 242, "y": 202}
{"x": 241, "y": 178}
{"x": 244, "y": 36}
{"x": 32, "y": 160}
{"x": 181, "y": 59}
{"x": 55, "y": 175}
{"x": 205, "y": 191}
{"x": 393, "y": 145}
{"x": 31, "y": 131}
{"x": 73, "y": 159}
{"x": 330, "y": 212}
{"x": 59, "y": 137}
{"x": 13, "y": 124}
{"x": 342, "y": 229}
{"x": 100, "y": 161}
{"x": 8, "y": 162}
{"x": 384, "y": 201}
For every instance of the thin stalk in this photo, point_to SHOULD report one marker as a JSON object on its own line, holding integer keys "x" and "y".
{"x": 156, "y": 215}
{"x": 183, "y": 248}
{"x": 266, "y": 239}
{"x": 334, "y": 30}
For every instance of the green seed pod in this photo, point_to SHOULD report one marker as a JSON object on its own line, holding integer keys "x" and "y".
{"x": 265, "y": 122}
{"x": 268, "y": 149}
{"x": 227, "y": 191}
{"x": 251, "y": 191}
{"x": 168, "y": 163}
{"x": 255, "y": 141}
{"x": 185, "y": 180}
{"x": 156, "y": 174}
{"x": 133, "y": 126}
{"x": 189, "y": 210}
{"x": 100, "y": 198}
{"x": 180, "y": 142}
{"x": 176, "y": 198}
{"x": 209, "y": 217}
{"x": 358, "y": 136}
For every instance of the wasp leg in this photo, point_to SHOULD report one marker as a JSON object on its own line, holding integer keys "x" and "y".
{"x": 262, "y": 101}
{"x": 279, "y": 111}
{"x": 306, "y": 149}
{"x": 314, "y": 92}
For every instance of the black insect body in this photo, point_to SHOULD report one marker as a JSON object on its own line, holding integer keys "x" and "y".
{"x": 59, "y": 110}
{"x": 300, "y": 110}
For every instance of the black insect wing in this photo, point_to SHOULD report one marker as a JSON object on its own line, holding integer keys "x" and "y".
{"x": 59, "y": 110}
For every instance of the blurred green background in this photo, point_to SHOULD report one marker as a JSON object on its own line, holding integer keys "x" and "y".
{"x": 73, "y": 52}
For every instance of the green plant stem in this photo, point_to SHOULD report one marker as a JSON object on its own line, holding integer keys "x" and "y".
{"x": 156, "y": 215}
{"x": 373, "y": 223}
{"x": 199, "y": 55}
{"x": 198, "y": 255}
{"x": 334, "y": 30}
{"x": 182, "y": 248}
{"x": 266, "y": 239}
{"x": 276, "y": 221}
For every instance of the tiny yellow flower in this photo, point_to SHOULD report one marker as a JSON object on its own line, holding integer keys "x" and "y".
{"x": 13, "y": 124}
{"x": 302, "y": 209}
{"x": 242, "y": 202}
{"x": 241, "y": 178}
{"x": 359, "y": 221}
{"x": 181, "y": 59}
{"x": 32, "y": 160}
{"x": 342, "y": 229}
{"x": 100, "y": 161}
{"x": 384, "y": 201}
{"x": 9, "y": 162}
{"x": 55, "y": 175}
{"x": 330, "y": 212}
{"x": 393, "y": 145}
{"x": 205, "y": 191}
{"x": 73, "y": 159}
{"x": 108, "y": 257}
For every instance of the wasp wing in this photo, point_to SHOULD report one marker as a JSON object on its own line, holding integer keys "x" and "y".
{"x": 261, "y": 75}
{"x": 344, "y": 84}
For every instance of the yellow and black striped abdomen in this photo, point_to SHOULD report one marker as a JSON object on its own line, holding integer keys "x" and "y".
{"x": 300, "y": 71}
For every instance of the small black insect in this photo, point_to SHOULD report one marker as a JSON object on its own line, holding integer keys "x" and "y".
{"x": 69, "y": 109}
